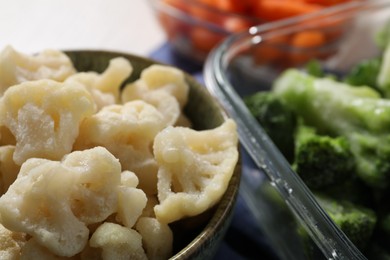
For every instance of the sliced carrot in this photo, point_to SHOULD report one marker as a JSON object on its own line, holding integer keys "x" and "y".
{"x": 231, "y": 6}
{"x": 236, "y": 24}
{"x": 204, "y": 13}
{"x": 270, "y": 50}
{"x": 272, "y": 10}
{"x": 308, "y": 39}
{"x": 203, "y": 39}
{"x": 304, "y": 46}
{"x": 234, "y": 6}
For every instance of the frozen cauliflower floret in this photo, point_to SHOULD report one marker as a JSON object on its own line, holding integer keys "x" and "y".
{"x": 157, "y": 238}
{"x": 44, "y": 116}
{"x": 131, "y": 201}
{"x": 53, "y": 201}
{"x": 17, "y": 67}
{"x": 129, "y": 179}
{"x": 33, "y": 250}
{"x": 11, "y": 244}
{"x": 127, "y": 131}
{"x": 8, "y": 168}
{"x": 118, "y": 242}
{"x": 167, "y": 78}
{"x": 105, "y": 87}
{"x": 164, "y": 102}
{"x": 195, "y": 169}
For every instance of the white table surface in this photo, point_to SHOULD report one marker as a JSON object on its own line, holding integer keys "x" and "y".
{"x": 119, "y": 25}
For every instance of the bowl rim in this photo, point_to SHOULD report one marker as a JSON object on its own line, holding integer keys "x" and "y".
{"x": 329, "y": 238}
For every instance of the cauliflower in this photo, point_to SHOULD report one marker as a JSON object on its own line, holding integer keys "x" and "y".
{"x": 164, "y": 102}
{"x": 105, "y": 87}
{"x": 162, "y": 86}
{"x": 33, "y": 250}
{"x": 131, "y": 201}
{"x": 44, "y": 116}
{"x": 117, "y": 242}
{"x": 167, "y": 78}
{"x": 16, "y": 67}
{"x": 195, "y": 169}
{"x": 11, "y": 244}
{"x": 157, "y": 238}
{"x": 8, "y": 169}
{"x": 127, "y": 131}
{"x": 53, "y": 201}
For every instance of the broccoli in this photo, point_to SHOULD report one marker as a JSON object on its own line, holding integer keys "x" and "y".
{"x": 338, "y": 109}
{"x": 314, "y": 68}
{"x": 276, "y": 119}
{"x": 320, "y": 160}
{"x": 364, "y": 74}
{"x": 356, "y": 221}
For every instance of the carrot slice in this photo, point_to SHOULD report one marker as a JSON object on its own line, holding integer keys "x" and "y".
{"x": 272, "y": 10}
{"x": 203, "y": 39}
{"x": 304, "y": 46}
{"x": 236, "y": 24}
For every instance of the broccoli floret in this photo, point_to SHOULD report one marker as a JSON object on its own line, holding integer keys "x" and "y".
{"x": 314, "y": 68}
{"x": 338, "y": 109}
{"x": 355, "y": 221}
{"x": 364, "y": 74}
{"x": 277, "y": 120}
{"x": 322, "y": 161}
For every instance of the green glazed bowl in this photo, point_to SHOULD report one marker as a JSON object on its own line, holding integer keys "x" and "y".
{"x": 197, "y": 237}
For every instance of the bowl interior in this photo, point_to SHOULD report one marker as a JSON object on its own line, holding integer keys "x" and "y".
{"x": 196, "y": 237}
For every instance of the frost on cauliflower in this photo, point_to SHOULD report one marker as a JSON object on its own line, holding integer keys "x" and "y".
{"x": 8, "y": 169}
{"x": 195, "y": 168}
{"x": 54, "y": 201}
{"x": 44, "y": 116}
{"x": 118, "y": 242}
{"x": 162, "y": 86}
{"x": 33, "y": 250}
{"x": 11, "y": 244}
{"x": 169, "y": 79}
{"x": 105, "y": 87}
{"x": 157, "y": 238}
{"x": 17, "y": 67}
{"x": 164, "y": 102}
{"x": 131, "y": 200}
{"x": 127, "y": 131}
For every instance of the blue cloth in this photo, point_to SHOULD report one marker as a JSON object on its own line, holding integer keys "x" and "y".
{"x": 244, "y": 238}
